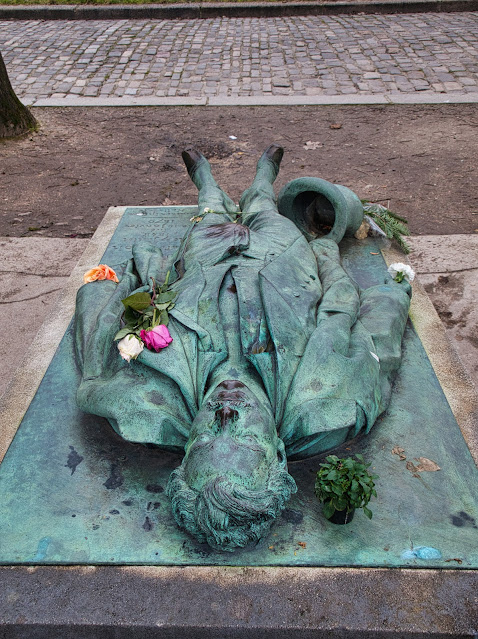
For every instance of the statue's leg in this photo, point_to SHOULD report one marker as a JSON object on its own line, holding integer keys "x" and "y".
{"x": 260, "y": 195}
{"x": 210, "y": 194}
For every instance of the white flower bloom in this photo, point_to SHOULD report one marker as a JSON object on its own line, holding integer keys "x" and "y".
{"x": 207, "y": 210}
{"x": 130, "y": 347}
{"x": 401, "y": 272}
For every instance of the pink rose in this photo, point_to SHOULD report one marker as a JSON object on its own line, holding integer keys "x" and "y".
{"x": 156, "y": 338}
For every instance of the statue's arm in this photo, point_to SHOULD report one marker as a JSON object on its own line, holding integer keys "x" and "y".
{"x": 97, "y": 320}
{"x": 341, "y": 386}
{"x": 142, "y": 404}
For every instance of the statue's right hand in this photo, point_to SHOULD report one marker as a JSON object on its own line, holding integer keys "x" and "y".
{"x": 97, "y": 319}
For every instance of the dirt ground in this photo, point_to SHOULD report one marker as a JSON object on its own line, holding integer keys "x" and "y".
{"x": 419, "y": 160}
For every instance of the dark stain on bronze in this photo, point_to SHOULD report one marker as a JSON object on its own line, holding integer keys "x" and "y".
{"x": 74, "y": 459}
{"x": 116, "y": 479}
{"x": 154, "y": 488}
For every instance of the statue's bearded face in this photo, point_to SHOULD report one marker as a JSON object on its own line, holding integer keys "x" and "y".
{"x": 233, "y": 435}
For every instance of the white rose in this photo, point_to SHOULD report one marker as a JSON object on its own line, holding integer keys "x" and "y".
{"x": 130, "y": 347}
{"x": 401, "y": 272}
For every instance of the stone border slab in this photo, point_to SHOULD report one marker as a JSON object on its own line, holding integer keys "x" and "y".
{"x": 146, "y": 602}
{"x": 456, "y": 384}
{"x": 424, "y": 97}
{"x": 20, "y": 392}
{"x": 230, "y": 10}
{"x": 237, "y": 603}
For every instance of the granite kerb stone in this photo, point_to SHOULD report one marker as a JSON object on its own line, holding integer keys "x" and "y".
{"x": 305, "y": 603}
{"x": 230, "y": 10}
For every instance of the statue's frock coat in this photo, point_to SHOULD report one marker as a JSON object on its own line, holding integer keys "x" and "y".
{"x": 324, "y": 351}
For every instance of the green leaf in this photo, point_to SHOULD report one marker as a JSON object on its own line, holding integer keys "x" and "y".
{"x": 164, "y": 318}
{"x": 169, "y": 296}
{"x": 328, "y": 509}
{"x": 341, "y": 504}
{"x": 130, "y": 316}
{"x": 122, "y": 333}
{"x": 367, "y": 512}
{"x": 137, "y": 301}
{"x": 162, "y": 307}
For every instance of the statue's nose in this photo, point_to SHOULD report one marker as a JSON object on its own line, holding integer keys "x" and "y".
{"x": 225, "y": 414}
{"x": 230, "y": 384}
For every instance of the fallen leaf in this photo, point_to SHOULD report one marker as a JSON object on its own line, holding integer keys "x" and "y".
{"x": 335, "y": 126}
{"x": 374, "y": 253}
{"x": 302, "y": 544}
{"x": 397, "y": 450}
{"x": 426, "y": 465}
{"x": 271, "y": 547}
{"x": 458, "y": 561}
{"x": 411, "y": 467}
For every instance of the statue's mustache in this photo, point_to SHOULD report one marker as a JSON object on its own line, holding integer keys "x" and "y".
{"x": 218, "y": 404}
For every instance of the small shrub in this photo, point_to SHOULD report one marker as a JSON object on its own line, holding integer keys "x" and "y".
{"x": 345, "y": 484}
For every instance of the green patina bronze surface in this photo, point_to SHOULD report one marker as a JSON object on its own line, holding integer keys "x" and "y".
{"x": 72, "y": 491}
{"x": 276, "y": 353}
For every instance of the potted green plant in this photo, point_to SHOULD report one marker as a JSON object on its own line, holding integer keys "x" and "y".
{"x": 343, "y": 485}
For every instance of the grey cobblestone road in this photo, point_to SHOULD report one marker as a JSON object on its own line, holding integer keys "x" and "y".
{"x": 312, "y": 56}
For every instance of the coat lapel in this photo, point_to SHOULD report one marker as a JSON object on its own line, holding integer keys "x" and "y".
{"x": 290, "y": 291}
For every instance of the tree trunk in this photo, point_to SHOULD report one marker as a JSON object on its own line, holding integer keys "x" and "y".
{"x": 15, "y": 118}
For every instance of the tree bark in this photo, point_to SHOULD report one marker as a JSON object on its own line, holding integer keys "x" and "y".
{"x": 15, "y": 118}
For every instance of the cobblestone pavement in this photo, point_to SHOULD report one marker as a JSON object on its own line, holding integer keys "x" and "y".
{"x": 312, "y": 56}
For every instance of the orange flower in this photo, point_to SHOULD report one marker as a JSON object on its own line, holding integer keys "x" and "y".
{"x": 101, "y": 272}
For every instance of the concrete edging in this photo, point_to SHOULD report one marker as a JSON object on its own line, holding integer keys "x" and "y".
{"x": 20, "y": 392}
{"x": 424, "y": 97}
{"x": 239, "y": 603}
{"x": 455, "y": 382}
{"x": 230, "y": 10}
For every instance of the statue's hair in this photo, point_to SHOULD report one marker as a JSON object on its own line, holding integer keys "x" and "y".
{"x": 225, "y": 514}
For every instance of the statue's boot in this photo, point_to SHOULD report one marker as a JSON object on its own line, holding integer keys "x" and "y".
{"x": 210, "y": 194}
{"x": 267, "y": 168}
{"x": 260, "y": 195}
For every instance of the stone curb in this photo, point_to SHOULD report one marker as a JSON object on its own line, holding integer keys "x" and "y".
{"x": 229, "y": 10}
{"x": 429, "y": 97}
{"x": 169, "y": 602}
